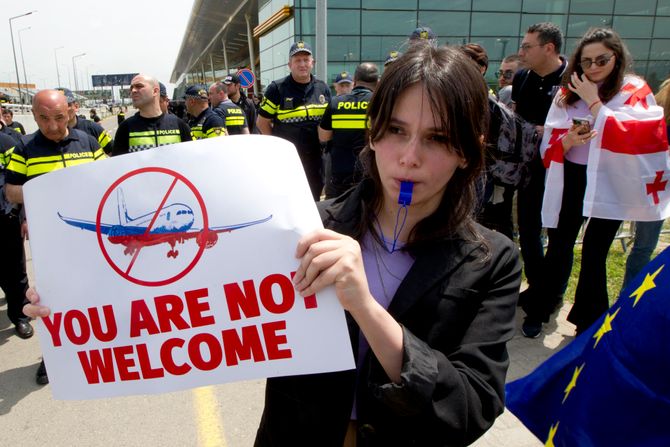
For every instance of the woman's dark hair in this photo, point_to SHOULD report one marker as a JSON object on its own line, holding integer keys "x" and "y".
{"x": 622, "y": 62}
{"x": 458, "y": 98}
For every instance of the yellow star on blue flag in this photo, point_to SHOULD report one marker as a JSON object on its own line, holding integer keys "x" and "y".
{"x": 617, "y": 392}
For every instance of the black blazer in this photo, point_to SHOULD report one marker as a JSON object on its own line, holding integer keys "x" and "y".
{"x": 457, "y": 307}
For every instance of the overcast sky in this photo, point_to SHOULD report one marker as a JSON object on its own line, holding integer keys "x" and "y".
{"x": 119, "y": 36}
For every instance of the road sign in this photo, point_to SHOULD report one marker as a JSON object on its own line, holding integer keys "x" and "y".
{"x": 247, "y": 77}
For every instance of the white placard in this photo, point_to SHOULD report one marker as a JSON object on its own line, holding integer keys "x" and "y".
{"x": 170, "y": 269}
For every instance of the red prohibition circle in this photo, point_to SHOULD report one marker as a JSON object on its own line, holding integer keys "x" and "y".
{"x": 98, "y": 220}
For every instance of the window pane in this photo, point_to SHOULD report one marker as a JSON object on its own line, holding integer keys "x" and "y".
{"x": 663, "y": 7}
{"x": 446, "y": 23}
{"x": 662, "y": 27}
{"x": 495, "y": 24}
{"x": 570, "y": 46}
{"x": 642, "y": 7}
{"x": 308, "y": 20}
{"x": 591, "y": 6}
{"x": 452, "y": 5}
{"x": 630, "y": 26}
{"x": 390, "y": 4}
{"x": 306, "y": 3}
{"x": 531, "y": 19}
{"x": 344, "y": 21}
{"x": 344, "y": 49}
{"x": 496, "y": 5}
{"x": 377, "y": 48}
{"x": 497, "y": 48}
{"x": 388, "y": 22}
{"x": 656, "y": 73}
{"x": 638, "y": 48}
{"x": 556, "y": 6}
{"x": 344, "y": 4}
{"x": 578, "y": 24}
{"x": 660, "y": 49}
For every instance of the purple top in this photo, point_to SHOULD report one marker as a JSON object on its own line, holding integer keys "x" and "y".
{"x": 385, "y": 271}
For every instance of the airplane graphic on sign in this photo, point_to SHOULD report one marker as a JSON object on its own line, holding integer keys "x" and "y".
{"x": 171, "y": 224}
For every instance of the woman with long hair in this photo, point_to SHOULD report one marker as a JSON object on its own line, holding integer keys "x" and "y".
{"x": 429, "y": 294}
{"x": 604, "y": 134}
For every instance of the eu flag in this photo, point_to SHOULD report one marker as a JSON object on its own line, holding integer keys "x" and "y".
{"x": 611, "y": 385}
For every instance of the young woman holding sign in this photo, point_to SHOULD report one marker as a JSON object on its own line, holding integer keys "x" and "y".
{"x": 430, "y": 295}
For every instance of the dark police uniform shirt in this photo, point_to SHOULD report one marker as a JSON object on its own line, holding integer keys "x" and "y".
{"x": 249, "y": 109}
{"x": 138, "y": 133}
{"x": 96, "y": 131}
{"x": 18, "y": 127}
{"x": 346, "y": 117}
{"x": 207, "y": 125}
{"x": 533, "y": 94}
{"x": 36, "y": 155}
{"x": 7, "y": 145}
{"x": 234, "y": 117}
{"x": 296, "y": 110}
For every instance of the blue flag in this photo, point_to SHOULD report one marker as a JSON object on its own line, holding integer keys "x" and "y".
{"x": 611, "y": 385}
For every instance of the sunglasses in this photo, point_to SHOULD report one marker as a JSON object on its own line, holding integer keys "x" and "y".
{"x": 600, "y": 61}
{"x": 507, "y": 74}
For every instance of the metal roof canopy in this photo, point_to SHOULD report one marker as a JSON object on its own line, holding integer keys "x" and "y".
{"x": 211, "y": 21}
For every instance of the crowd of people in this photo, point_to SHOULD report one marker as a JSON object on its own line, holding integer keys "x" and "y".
{"x": 415, "y": 164}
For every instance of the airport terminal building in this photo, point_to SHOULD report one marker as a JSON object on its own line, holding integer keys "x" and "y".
{"x": 225, "y": 35}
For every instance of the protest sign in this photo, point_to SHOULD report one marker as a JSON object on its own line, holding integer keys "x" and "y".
{"x": 171, "y": 268}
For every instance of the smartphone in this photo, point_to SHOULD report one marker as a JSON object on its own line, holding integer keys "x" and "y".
{"x": 584, "y": 123}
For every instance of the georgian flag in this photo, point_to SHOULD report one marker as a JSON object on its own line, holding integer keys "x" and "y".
{"x": 628, "y": 166}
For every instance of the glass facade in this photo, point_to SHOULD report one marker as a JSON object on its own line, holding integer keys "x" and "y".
{"x": 367, "y": 30}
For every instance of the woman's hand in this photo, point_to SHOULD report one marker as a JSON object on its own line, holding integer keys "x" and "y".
{"x": 35, "y": 309}
{"x": 326, "y": 258}
{"x": 584, "y": 88}
{"x": 576, "y": 137}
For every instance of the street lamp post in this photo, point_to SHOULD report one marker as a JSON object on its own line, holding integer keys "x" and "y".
{"x": 74, "y": 70}
{"x": 23, "y": 62}
{"x": 57, "y": 71}
{"x": 16, "y": 66}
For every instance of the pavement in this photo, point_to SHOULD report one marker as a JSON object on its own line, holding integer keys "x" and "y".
{"x": 224, "y": 415}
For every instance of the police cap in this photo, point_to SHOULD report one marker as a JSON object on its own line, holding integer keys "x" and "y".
{"x": 299, "y": 47}
{"x": 343, "y": 78}
{"x": 196, "y": 91}
{"x": 67, "y": 93}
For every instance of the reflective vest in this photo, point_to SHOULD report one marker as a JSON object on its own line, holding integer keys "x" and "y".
{"x": 233, "y": 115}
{"x": 207, "y": 125}
{"x": 38, "y": 155}
{"x": 138, "y": 133}
{"x": 296, "y": 110}
{"x": 347, "y": 118}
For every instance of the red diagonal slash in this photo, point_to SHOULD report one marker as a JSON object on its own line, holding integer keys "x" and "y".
{"x": 151, "y": 224}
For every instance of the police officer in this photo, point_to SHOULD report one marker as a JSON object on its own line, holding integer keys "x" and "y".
{"x": 232, "y": 83}
{"x": 54, "y": 146}
{"x": 149, "y": 127}
{"x": 13, "y": 278}
{"x": 121, "y": 116}
{"x": 343, "y": 83}
{"x": 93, "y": 129}
{"x": 204, "y": 122}
{"x": 8, "y": 118}
{"x": 344, "y": 124}
{"x": 292, "y": 109}
{"x": 234, "y": 117}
